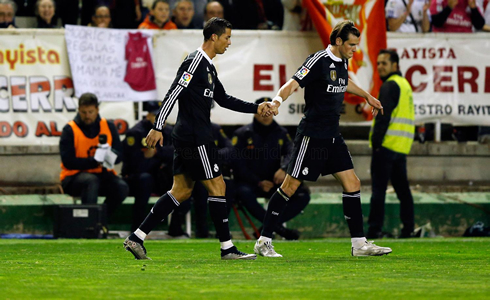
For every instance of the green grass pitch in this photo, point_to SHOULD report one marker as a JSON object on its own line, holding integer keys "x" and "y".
{"x": 311, "y": 269}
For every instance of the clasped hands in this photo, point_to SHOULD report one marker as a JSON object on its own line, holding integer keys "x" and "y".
{"x": 267, "y": 109}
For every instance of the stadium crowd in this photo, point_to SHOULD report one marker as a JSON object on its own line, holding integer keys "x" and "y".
{"x": 401, "y": 15}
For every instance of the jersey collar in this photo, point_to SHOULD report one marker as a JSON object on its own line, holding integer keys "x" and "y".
{"x": 332, "y": 56}
{"x": 205, "y": 55}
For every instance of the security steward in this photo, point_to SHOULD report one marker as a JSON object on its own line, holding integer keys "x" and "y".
{"x": 263, "y": 150}
{"x": 391, "y": 138}
{"x": 145, "y": 168}
{"x": 82, "y": 172}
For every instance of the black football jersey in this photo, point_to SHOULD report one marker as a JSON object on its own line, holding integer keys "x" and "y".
{"x": 195, "y": 87}
{"x": 324, "y": 78}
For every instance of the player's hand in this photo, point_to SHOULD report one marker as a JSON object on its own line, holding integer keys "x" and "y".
{"x": 264, "y": 109}
{"x": 153, "y": 138}
{"x": 279, "y": 176}
{"x": 275, "y": 107}
{"x": 149, "y": 152}
{"x": 266, "y": 185}
{"x": 375, "y": 104}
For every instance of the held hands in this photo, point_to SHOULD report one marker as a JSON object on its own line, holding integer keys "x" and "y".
{"x": 267, "y": 109}
{"x": 153, "y": 138}
{"x": 375, "y": 104}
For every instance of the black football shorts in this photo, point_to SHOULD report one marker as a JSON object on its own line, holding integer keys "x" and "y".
{"x": 313, "y": 157}
{"x": 199, "y": 162}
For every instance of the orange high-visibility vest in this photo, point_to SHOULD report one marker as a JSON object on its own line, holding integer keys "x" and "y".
{"x": 85, "y": 147}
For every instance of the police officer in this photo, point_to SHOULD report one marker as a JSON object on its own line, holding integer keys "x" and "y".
{"x": 264, "y": 150}
{"x": 391, "y": 138}
{"x": 82, "y": 170}
{"x": 142, "y": 165}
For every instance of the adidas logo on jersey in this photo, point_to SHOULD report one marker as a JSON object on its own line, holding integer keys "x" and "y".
{"x": 332, "y": 66}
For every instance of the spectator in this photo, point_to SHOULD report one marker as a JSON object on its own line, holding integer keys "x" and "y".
{"x": 455, "y": 16}
{"x": 264, "y": 150}
{"x": 296, "y": 17}
{"x": 141, "y": 164}
{"x": 101, "y": 17}
{"x": 411, "y": 17}
{"x": 391, "y": 139}
{"x": 7, "y": 14}
{"x": 183, "y": 13}
{"x": 159, "y": 17}
{"x": 486, "y": 27}
{"x": 84, "y": 170}
{"x": 45, "y": 12}
{"x": 258, "y": 14}
{"x": 199, "y": 7}
{"x": 213, "y": 9}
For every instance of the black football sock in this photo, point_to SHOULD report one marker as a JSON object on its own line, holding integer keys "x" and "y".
{"x": 351, "y": 202}
{"x": 219, "y": 215}
{"x": 275, "y": 208}
{"x": 162, "y": 208}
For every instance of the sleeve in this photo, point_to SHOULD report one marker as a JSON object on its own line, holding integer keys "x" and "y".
{"x": 286, "y": 151}
{"x": 230, "y": 102}
{"x": 310, "y": 71}
{"x": 389, "y": 95}
{"x": 116, "y": 142}
{"x": 241, "y": 171}
{"x": 178, "y": 89}
{"x": 439, "y": 19}
{"x": 67, "y": 153}
{"x": 477, "y": 19}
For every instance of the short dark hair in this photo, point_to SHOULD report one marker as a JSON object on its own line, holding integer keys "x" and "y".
{"x": 394, "y": 58}
{"x": 342, "y": 31}
{"x": 215, "y": 26}
{"x": 157, "y": 1}
{"x": 100, "y": 6}
{"x": 88, "y": 99}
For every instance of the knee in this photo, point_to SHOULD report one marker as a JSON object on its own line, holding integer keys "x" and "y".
{"x": 145, "y": 180}
{"x": 290, "y": 185}
{"x": 182, "y": 194}
{"x": 352, "y": 185}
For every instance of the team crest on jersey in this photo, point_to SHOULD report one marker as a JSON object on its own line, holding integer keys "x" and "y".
{"x": 305, "y": 171}
{"x": 333, "y": 75}
{"x": 216, "y": 168}
{"x": 302, "y": 72}
{"x": 210, "y": 78}
{"x": 185, "y": 79}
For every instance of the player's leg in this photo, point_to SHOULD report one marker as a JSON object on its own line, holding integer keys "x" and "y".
{"x": 218, "y": 210}
{"x": 351, "y": 203}
{"x": 181, "y": 191}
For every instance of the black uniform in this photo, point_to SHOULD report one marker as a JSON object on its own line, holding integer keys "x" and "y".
{"x": 318, "y": 146}
{"x": 200, "y": 195}
{"x": 140, "y": 173}
{"x": 261, "y": 151}
{"x": 195, "y": 86}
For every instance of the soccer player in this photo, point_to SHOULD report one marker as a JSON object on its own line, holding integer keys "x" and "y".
{"x": 196, "y": 156}
{"x": 318, "y": 146}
